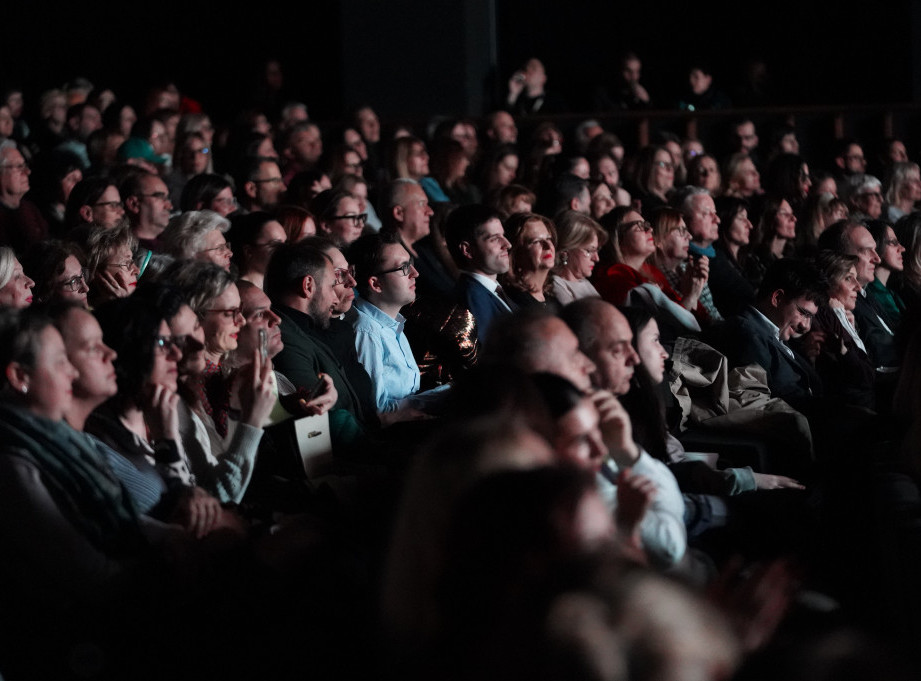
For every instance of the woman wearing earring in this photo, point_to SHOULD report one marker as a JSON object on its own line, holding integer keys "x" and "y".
{"x": 578, "y": 240}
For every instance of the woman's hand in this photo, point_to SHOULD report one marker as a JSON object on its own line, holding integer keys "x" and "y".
{"x": 766, "y": 481}
{"x": 198, "y": 512}
{"x": 160, "y": 413}
{"x": 256, "y": 394}
{"x": 693, "y": 280}
{"x": 111, "y": 285}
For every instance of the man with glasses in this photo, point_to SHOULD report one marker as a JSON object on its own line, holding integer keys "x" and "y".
{"x": 339, "y": 216}
{"x": 386, "y": 282}
{"x": 864, "y": 194}
{"x": 259, "y": 184}
{"x": 21, "y": 223}
{"x": 147, "y": 206}
{"x": 788, "y": 299}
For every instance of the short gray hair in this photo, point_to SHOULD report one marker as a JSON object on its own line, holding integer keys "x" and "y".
{"x": 185, "y": 234}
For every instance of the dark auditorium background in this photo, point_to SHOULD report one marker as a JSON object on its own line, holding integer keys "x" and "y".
{"x": 414, "y": 58}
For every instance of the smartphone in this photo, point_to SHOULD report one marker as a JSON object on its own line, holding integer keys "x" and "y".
{"x": 263, "y": 344}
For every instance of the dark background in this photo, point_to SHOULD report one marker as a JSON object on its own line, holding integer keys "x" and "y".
{"x": 412, "y": 58}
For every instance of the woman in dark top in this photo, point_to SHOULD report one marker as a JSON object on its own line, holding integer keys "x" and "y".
{"x": 529, "y": 281}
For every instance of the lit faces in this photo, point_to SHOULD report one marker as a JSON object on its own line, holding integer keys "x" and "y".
{"x": 602, "y": 201}
{"x": 345, "y": 292}
{"x": 794, "y": 316}
{"x": 224, "y": 203}
{"x": 414, "y": 214}
{"x": 636, "y": 240}
{"x": 89, "y": 355}
{"x": 578, "y": 439}
{"x": 257, "y": 311}
{"x": 892, "y": 251}
{"x": 489, "y": 251}
{"x": 120, "y": 264}
{"x": 14, "y": 173}
{"x": 663, "y": 172}
{"x": 214, "y": 249}
{"x": 108, "y": 210}
{"x": 49, "y": 384}
{"x": 651, "y": 352}
{"x": 417, "y": 164}
{"x": 165, "y": 370}
{"x": 704, "y": 224}
{"x": 581, "y": 260}
{"x": 71, "y": 284}
{"x": 674, "y": 245}
{"x": 846, "y": 289}
{"x": 393, "y": 288}
{"x": 785, "y": 222}
{"x": 537, "y": 250}
{"x": 347, "y": 227}
{"x": 708, "y": 174}
{"x": 17, "y": 292}
{"x": 186, "y": 324}
{"x": 325, "y": 298}
{"x": 862, "y": 244}
{"x": 613, "y": 352}
{"x": 222, "y": 321}
{"x": 739, "y": 232}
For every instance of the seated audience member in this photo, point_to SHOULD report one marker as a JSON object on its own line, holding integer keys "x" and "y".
{"x": 704, "y": 172}
{"x": 15, "y": 286}
{"x": 408, "y": 213}
{"x": 499, "y": 169}
{"x": 672, "y": 241}
{"x": 579, "y": 238}
{"x": 450, "y": 163}
{"x": 21, "y": 222}
{"x": 864, "y": 195}
{"x": 853, "y": 238}
{"x": 339, "y": 216}
{"x": 568, "y": 192}
{"x": 357, "y": 186}
{"x": 59, "y": 271}
{"x": 529, "y": 280}
{"x": 886, "y": 299}
{"x": 109, "y": 261}
{"x": 903, "y": 190}
{"x": 603, "y": 168}
{"x": 192, "y": 158}
{"x": 385, "y": 281}
{"x": 56, "y": 490}
{"x": 259, "y": 183}
{"x": 772, "y": 239}
{"x": 409, "y": 159}
{"x": 819, "y": 211}
{"x": 477, "y": 243}
{"x": 514, "y": 198}
{"x": 654, "y": 178}
{"x": 256, "y": 236}
{"x": 731, "y": 290}
{"x": 602, "y": 199}
{"x": 790, "y": 295}
{"x": 842, "y": 361}
{"x": 625, "y": 264}
{"x": 147, "y": 206}
{"x": 95, "y": 201}
{"x": 198, "y": 235}
{"x": 594, "y": 433}
{"x": 302, "y": 283}
{"x": 740, "y": 177}
{"x": 297, "y": 222}
{"x": 787, "y": 176}
{"x": 208, "y": 192}
{"x": 908, "y": 232}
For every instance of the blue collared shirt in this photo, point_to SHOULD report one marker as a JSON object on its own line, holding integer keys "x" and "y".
{"x": 385, "y": 354}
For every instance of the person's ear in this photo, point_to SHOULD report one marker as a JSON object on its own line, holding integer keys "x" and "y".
{"x": 86, "y": 213}
{"x": 374, "y": 284}
{"x": 398, "y": 213}
{"x": 250, "y": 189}
{"x": 777, "y": 298}
{"x": 308, "y": 287}
{"x": 465, "y": 250}
{"x": 17, "y": 377}
{"x": 132, "y": 204}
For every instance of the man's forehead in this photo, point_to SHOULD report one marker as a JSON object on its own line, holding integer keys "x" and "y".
{"x": 338, "y": 260}
{"x": 394, "y": 255}
{"x": 253, "y": 299}
{"x": 489, "y": 228}
{"x": 860, "y": 237}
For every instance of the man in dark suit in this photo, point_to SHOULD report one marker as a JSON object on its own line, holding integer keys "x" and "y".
{"x": 788, "y": 299}
{"x": 849, "y": 237}
{"x": 477, "y": 243}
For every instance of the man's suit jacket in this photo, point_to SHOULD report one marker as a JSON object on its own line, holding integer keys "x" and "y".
{"x": 748, "y": 339}
{"x": 881, "y": 345}
{"x": 484, "y": 304}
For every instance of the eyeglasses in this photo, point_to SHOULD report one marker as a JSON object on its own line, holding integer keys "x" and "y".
{"x": 230, "y": 312}
{"x": 167, "y": 343}
{"x": 855, "y": 157}
{"x": 271, "y": 245}
{"x": 668, "y": 165}
{"x": 356, "y": 218}
{"x": 109, "y": 204}
{"x": 343, "y": 274}
{"x": 588, "y": 252}
{"x": 20, "y": 167}
{"x": 224, "y": 248}
{"x": 186, "y": 343}
{"x": 873, "y": 195}
{"x": 403, "y": 269}
{"x": 78, "y": 282}
{"x": 129, "y": 265}
{"x": 682, "y": 231}
{"x": 542, "y": 241}
{"x": 224, "y": 201}
{"x": 806, "y": 314}
{"x": 162, "y": 196}
{"x": 638, "y": 225}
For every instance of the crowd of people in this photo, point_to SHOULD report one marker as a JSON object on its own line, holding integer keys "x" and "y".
{"x": 494, "y": 399}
